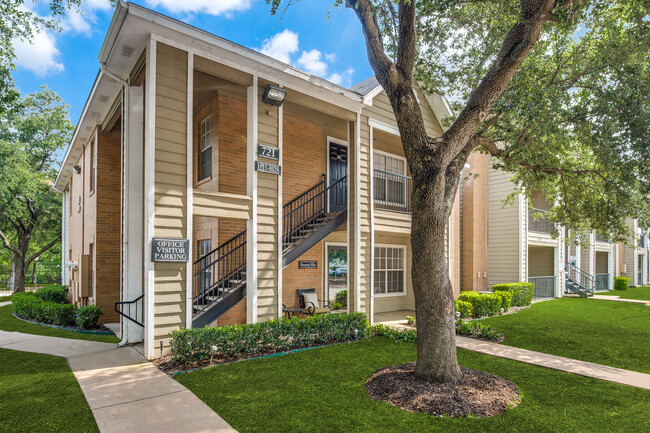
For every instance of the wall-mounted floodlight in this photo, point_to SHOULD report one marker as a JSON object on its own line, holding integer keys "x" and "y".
{"x": 274, "y": 95}
{"x": 77, "y": 169}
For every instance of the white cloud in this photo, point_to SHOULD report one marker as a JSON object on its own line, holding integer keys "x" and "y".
{"x": 82, "y": 20}
{"x": 281, "y": 45}
{"x": 330, "y": 57}
{"x": 212, "y": 7}
{"x": 343, "y": 78}
{"x": 312, "y": 62}
{"x": 76, "y": 22}
{"x": 40, "y": 56}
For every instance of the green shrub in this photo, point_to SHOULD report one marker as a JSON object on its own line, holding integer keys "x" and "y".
{"x": 410, "y": 320}
{"x": 30, "y": 306}
{"x": 58, "y": 294}
{"x": 342, "y": 298}
{"x": 522, "y": 293}
{"x": 336, "y": 305}
{"x": 276, "y": 335}
{"x": 483, "y": 304}
{"x": 468, "y": 329}
{"x": 506, "y": 299}
{"x": 621, "y": 283}
{"x": 87, "y": 317}
{"x": 465, "y": 308}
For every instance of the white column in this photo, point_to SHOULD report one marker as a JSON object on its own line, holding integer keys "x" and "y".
{"x": 149, "y": 196}
{"x": 280, "y": 205}
{"x": 252, "y": 101}
{"x": 559, "y": 265}
{"x": 65, "y": 237}
{"x": 357, "y": 214}
{"x": 190, "y": 189}
{"x": 132, "y": 244}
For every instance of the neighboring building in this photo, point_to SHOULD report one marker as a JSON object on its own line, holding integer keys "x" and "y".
{"x": 183, "y": 136}
{"x": 633, "y": 255}
{"x": 504, "y": 242}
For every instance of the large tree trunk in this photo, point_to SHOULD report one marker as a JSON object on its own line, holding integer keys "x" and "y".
{"x": 19, "y": 275}
{"x": 434, "y": 297}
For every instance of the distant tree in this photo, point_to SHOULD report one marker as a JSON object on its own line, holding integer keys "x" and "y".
{"x": 555, "y": 90}
{"x": 29, "y": 208}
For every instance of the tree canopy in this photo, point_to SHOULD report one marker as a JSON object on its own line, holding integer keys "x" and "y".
{"x": 30, "y": 211}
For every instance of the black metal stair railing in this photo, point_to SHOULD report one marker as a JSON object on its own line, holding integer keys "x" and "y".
{"x": 305, "y": 212}
{"x": 219, "y": 272}
{"x": 126, "y": 309}
{"x": 579, "y": 280}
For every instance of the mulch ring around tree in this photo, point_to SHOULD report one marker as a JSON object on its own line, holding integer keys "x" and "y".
{"x": 477, "y": 393}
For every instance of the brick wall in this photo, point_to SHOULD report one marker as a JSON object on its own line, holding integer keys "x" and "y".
{"x": 294, "y": 278}
{"x": 107, "y": 246}
{"x": 474, "y": 233}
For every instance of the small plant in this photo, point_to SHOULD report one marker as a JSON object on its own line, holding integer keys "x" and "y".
{"x": 342, "y": 298}
{"x": 336, "y": 305}
{"x": 621, "y": 283}
{"x": 410, "y": 320}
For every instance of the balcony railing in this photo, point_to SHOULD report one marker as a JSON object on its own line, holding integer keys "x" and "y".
{"x": 544, "y": 286}
{"x": 392, "y": 191}
{"x": 539, "y": 223}
{"x": 602, "y": 282}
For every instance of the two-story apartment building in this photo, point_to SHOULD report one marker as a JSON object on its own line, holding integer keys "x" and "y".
{"x": 206, "y": 183}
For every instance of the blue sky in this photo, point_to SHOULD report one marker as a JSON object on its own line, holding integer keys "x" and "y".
{"x": 330, "y": 46}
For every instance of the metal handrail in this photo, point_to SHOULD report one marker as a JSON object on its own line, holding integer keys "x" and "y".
{"x": 580, "y": 277}
{"x": 388, "y": 202}
{"x": 129, "y": 304}
{"x": 540, "y": 224}
{"x": 306, "y": 209}
{"x": 214, "y": 273}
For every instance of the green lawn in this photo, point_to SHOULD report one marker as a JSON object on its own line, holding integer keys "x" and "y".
{"x": 323, "y": 390}
{"x": 5, "y": 298}
{"x": 39, "y": 393}
{"x": 642, "y": 293}
{"x": 605, "y": 332}
{"x": 9, "y": 323}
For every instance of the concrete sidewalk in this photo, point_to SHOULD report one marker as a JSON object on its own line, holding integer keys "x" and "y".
{"x": 123, "y": 390}
{"x": 619, "y": 299}
{"x": 582, "y": 368}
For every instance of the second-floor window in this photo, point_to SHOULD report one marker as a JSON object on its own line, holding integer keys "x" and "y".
{"x": 205, "y": 155}
{"x": 390, "y": 180}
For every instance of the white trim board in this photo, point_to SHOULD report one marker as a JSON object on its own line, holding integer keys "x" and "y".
{"x": 189, "y": 281}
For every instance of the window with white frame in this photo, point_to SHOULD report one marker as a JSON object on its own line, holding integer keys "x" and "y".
{"x": 205, "y": 155}
{"x": 390, "y": 178}
{"x": 390, "y": 270}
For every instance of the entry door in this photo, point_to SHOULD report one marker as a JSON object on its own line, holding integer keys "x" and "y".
{"x": 338, "y": 162}
{"x": 337, "y": 270}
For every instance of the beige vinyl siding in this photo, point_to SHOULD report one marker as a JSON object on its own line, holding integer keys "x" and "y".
{"x": 585, "y": 264}
{"x": 385, "y": 221}
{"x": 503, "y": 230}
{"x": 267, "y": 219}
{"x": 170, "y": 187}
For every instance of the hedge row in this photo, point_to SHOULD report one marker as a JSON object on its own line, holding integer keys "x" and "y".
{"x": 621, "y": 283}
{"x": 475, "y": 304}
{"x": 272, "y": 336}
{"x": 31, "y": 306}
{"x": 522, "y": 293}
{"x": 467, "y": 329}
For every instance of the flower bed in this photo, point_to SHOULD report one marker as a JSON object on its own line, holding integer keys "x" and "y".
{"x": 49, "y": 305}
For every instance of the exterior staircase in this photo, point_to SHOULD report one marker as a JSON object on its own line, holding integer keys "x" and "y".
{"x": 578, "y": 281}
{"x": 219, "y": 277}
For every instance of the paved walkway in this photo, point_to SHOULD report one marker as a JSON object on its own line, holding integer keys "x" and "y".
{"x": 582, "y": 368}
{"x": 124, "y": 391}
{"x": 619, "y": 299}
{"x": 2, "y": 304}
